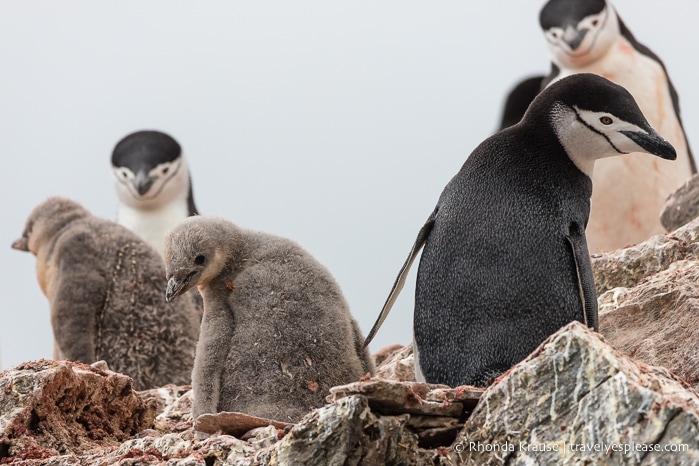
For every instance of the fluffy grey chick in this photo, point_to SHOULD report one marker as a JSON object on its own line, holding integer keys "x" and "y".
{"x": 276, "y": 333}
{"x": 104, "y": 286}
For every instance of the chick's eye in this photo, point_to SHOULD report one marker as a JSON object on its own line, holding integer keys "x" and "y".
{"x": 595, "y": 22}
{"x": 199, "y": 260}
{"x": 605, "y": 120}
{"x": 165, "y": 170}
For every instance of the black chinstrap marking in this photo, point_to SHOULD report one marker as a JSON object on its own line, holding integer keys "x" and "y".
{"x": 592, "y": 128}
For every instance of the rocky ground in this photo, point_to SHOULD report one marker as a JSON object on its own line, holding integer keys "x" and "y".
{"x": 625, "y": 396}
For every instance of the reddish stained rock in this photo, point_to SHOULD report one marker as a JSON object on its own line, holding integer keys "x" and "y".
{"x": 50, "y": 408}
{"x": 235, "y": 424}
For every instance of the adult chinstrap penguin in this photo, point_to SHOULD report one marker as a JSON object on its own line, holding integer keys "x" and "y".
{"x": 153, "y": 185}
{"x": 589, "y": 37}
{"x": 505, "y": 261}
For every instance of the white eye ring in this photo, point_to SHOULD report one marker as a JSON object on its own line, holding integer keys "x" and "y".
{"x": 605, "y": 120}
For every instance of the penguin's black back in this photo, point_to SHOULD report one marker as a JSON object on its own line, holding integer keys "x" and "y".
{"x": 497, "y": 272}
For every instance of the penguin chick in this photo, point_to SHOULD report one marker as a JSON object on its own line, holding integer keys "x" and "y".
{"x": 276, "y": 332}
{"x": 505, "y": 261}
{"x": 153, "y": 185}
{"x": 104, "y": 287}
{"x": 630, "y": 192}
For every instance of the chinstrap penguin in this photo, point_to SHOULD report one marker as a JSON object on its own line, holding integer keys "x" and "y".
{"x": 276, "y": 333}
{"x": 505, "y": 261}
{"x": 104, "y": 287}
{"x": 589, "y": 37}
{"x": 153, "y": 185}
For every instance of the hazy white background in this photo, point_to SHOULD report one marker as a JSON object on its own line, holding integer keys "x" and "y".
{"x": 336, "y": 124}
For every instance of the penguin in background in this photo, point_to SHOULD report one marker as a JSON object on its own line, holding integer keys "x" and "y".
{"x": 153, "y": 185}
{"x": 104, "y": 288}
{"x": 589, "y": 37}
{"x": 518, "y": 99}
{"x": 505, "y": 261}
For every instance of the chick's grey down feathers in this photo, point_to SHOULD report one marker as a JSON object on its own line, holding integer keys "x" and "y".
{"x": 276, "y": 332}
{"x": 505, "y": 261}
{"x": 104, "y": 286}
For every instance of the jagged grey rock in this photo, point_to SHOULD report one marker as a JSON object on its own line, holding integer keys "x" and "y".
{"x": 390, "y": 397}
{"x": 346, "y": 432}
{"x": 656, "y": 322}
{"x": 629, "y": 266}
{"x": 174, "y": 404}
{"x": 682, "y": 206}
{"x": 436, "y": 411}
{"x": 576, "y": 390}
{"x": 396, "y": 364}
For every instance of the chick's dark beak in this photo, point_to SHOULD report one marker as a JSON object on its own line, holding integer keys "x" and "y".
{"x": 21, "y": 244}
{"x": 174, "y": 288}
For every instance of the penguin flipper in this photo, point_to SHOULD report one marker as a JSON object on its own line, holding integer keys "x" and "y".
{"x": 555, "y": 71}
{"x": 586, "y": 283}
{"x": 518, "y": 100}
{"x": 402, "y": 275}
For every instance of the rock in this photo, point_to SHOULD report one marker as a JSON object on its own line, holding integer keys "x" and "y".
{"x": 388, "y": 397}
{"x": 436, "y": 411}
{"x": 396, "y": 363}
{"x": 386, "y": 352}
{"x": 50, "y": 408}
{"x": 628, "y": 267}
{"x": 174, "y": 407}
{"x": 574, "y": 393}
{"x": 656, "y": 322}
{"x": 682, "y": 206}
{"x": 235, "y": 424}
{"x": 347, "y": 432}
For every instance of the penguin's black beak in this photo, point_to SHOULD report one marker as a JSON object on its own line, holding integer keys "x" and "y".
{"x": 177, "y": 287}
{"x": 21, "y": 244}
{"x": 573, "y": 37}
{"x": 142, "y": 182}
{"x": 652, "y": 143}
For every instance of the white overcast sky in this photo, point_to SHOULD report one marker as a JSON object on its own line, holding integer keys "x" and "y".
{"x": 336, "y": 124}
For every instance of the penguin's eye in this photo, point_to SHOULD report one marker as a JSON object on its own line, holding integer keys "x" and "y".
{"x": 595, "y": 22}
{"x": 165, "y": 170}
{"x": 605, "y": 120}
{"x": 124, "y": 175}
{"x": 199, "y": 260}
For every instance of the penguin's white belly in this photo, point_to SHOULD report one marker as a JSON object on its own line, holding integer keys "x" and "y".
{"x": 152, "y": 225}
{"x": 419, "y": 376}
{"x": 629, "y": 191}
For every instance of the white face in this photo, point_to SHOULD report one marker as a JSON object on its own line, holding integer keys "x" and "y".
{"x": 168, "y": 181}
{"x": 588, "y": 136}
{"x": 584, "y": 43}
